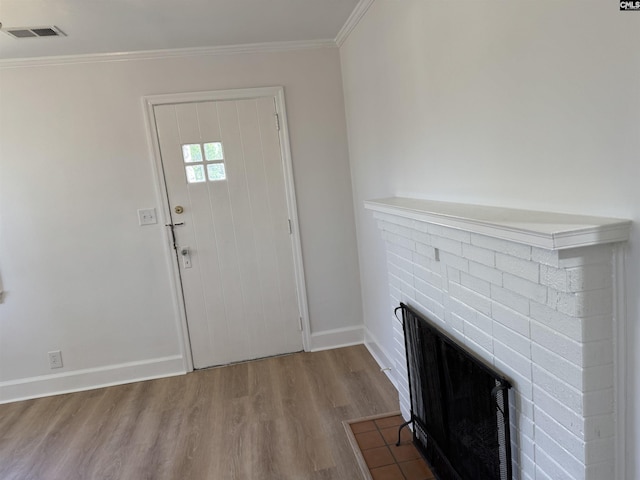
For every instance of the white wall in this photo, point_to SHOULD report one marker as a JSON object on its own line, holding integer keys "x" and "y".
{"x": 531, "y": 104}
{"x": 80, "y": 275}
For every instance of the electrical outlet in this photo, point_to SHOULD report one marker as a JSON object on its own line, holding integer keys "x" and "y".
{"x": 147, "y": 216}
{"x": 55, "y": 359}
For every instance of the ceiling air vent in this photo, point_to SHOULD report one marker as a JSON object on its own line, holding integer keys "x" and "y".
{"x": 34, "y": 32}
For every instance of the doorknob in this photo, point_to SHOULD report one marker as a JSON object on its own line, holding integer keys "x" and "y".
{"x": 186, "y": 256}
{"x": 178, "y": 209}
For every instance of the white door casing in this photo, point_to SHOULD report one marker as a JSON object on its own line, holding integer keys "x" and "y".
{"x": 243, "y": 295}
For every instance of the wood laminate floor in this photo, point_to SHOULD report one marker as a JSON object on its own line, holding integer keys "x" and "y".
{"x": 277, "y": 418}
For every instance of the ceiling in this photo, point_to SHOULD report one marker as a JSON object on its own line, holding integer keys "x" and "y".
{"x": 115, "y": 26}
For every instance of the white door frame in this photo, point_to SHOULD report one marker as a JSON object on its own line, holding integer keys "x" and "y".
{"x": 149, "y": 102}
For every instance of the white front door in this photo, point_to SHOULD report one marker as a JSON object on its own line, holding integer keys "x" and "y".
{"x": 226, "y": 188}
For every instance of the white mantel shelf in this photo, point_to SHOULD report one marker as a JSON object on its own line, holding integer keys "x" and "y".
{"x": 553, "y": 231}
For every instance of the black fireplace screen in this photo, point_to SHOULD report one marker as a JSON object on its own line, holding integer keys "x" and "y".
{"x": 459, "y": 405}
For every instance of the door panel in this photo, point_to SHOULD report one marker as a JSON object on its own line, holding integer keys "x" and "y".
{"x": 240, "y": 291}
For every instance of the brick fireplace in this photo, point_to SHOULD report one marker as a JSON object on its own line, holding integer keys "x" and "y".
{"x": 536, "y": 295}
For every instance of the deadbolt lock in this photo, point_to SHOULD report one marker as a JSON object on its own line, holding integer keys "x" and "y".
{"x": 178, "y": 209}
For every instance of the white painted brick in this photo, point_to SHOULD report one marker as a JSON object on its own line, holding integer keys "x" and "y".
{"x": 451, "y": 233}
{"x": 519, "y": 267}
{"x": 480, "y": 255}
{"x": 545, "y": 465}
{"x": 480, "y": 286}
{"x": 428, "y": 276}
{"x": 557, "y": 343}
{"x": 447, "y": 245}
{"x": 399, "y": 240}
{"x": 524, "y": 404}
{"x": 405, "y": 264}
{"x": 569, "y": 396}
{"x": 570, "y": 442}
{"x": 512, "y": 300}
{"x": 421, "y": 237}
{"x": 566, "y": 417}
{"x": 434, "y": 309}
{"x": 455, "y": 321}
{"x": 479, "y": 349}
{"x": 424, "y": 255}
{"x": 599, "y": 402}
{"x": 511, "y": 319}
{"x": 585, "y": 255}
{"x": 517, "y": 342}
{"x": 401, "y": 230}
{"x": 483, "y": 272}
{"x": 479, "y": 336}
{"x": 482, "y": 322}
{"x": 590, "y": 277}
{"x": 453, "y": 275}
{"x": 597, "y": 378}
{"x": 461, "y": 309}
{"x": 525, "y": 445}
{"x": 555, "y": 278}
{"x": 428, "y": 290}
{"x": 454, "y": 261}
{"x": 527, "y": 469}
{"x": 600, "y": 451}
{"x": 471, "y": 298}
{"x": 556, "y": 365}
{"x": 504, "y": 246}
{"x": 395, "y": 219}
{"x": 582, "y": 304}
{"x": 399, "y": 251}
{"x": 524, "y": 424}
{"x": 540, "y": 475}
{"x": 517, "y": 362}
{"x": 562, "y": 323}
{"x": 544, "y": 256}
{"x": 533, "y": 291}
{"x": 601, "y": 470}
{"x": 572, "y": 465}
{"x": 599, "y": 426}
{"x": 420, "y": 226}
{"x": 597, "y": 328}
{"x": 597, "y": 353}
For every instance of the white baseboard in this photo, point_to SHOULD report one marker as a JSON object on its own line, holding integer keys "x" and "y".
{"x": 380, "y": 355}
{"x": 90, "y": 378}
{"x": 339, "y": 337}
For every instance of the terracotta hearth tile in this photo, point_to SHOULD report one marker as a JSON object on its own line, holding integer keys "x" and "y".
{"x": 378, "y": 457}
{"x": 385, "y": 461}
{"x": 360, "y": 427}
{"x": 390, "y": 435}
{"x": 416, "y": 470}
{"x": 395, "y": 420}
{"x": 405, "y": 452}
{"x": 390, "y": 472}
{"x": 369, "y": 440}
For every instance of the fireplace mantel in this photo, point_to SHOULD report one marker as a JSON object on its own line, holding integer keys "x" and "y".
{"x": 538, "y": 295}
{"x": 553, "y": 231}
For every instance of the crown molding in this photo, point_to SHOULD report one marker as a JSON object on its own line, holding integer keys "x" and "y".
{"x": 353, "y": 20}
{"x": 266, "y": 47}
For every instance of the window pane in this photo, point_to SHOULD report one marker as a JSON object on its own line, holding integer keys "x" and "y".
{"x": 213, "y": 151}
{"x": 216, "y": 171}
{"x": 192, "y": 153}
{"x": 195, "y": 173}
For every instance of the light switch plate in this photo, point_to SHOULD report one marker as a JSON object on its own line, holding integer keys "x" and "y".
{"x": 147, "y": 216}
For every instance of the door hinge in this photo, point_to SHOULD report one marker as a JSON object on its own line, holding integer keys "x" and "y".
{"x": 277, "y": 121}
{"x": 290, "y": 227}
{"x": 300, "y": 323}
